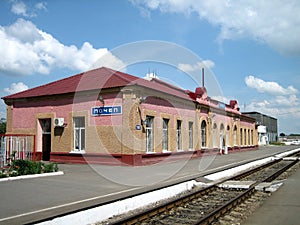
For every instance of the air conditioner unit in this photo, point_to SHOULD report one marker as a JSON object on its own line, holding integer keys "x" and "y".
{"x": 59, "y": 122}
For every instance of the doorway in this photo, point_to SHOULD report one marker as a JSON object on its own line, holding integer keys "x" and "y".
{"x": 46, "y": 138}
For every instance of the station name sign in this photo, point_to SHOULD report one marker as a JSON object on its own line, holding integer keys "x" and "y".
{"x": 106, "y": 110}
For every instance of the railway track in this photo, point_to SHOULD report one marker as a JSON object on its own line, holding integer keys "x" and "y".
{"x": 206, "y": 205}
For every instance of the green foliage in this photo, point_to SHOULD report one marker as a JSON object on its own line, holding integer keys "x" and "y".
{"x": 2, "y": 127}
{"x": 276, "y": 143}
{"x": 293, "y": 135}
{"x": 3, "y": 173}
{"x": 25, "y": 167}
{"x": 49, "y": 168}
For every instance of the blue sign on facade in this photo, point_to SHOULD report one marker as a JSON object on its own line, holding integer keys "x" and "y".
{"x": 106, "y": 110}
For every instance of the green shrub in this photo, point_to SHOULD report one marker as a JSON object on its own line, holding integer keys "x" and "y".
{"x": 276, "y": 143}
{"x": 24, "y": 167}
{"x": 51, "y": 167}
{"x": 3, "y": 174}
{"x": 13, "y": 173}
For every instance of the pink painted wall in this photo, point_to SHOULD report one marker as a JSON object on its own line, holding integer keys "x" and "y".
{"x": 24, "y": 113}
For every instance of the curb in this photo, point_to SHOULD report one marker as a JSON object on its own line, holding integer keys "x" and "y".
{"x": 32, "y": 176}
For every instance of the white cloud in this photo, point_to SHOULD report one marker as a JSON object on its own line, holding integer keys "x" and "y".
{"x": 277, "y": 107}
{"x": 15, "y": 88}
{"x": 19, "y": 8}
{"x": 25, "y": 50}
{"x": 269, "y": 87}
{"x": 273, "y": 22}
{"x": 221, "y": 98}
{"x": 196, "y": 67}
{"x": 41, "y": 5}
{"x": 285, "y": 108}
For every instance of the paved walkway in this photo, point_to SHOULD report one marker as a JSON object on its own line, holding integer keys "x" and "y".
{"x": 87, "y": 185}
{"x": 283, "y": 207}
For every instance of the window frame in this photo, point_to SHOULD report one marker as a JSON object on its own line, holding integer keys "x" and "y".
{"x": 179, "y": 135}
{"x": 79, "y": 129}
{"x": 203, "y": 134}
{"x": 149, "y": 134}
{"x": 165, "y": 134}
{"x": 191, "y": 135}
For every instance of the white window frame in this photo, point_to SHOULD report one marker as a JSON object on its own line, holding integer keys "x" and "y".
{"x": 165, "y": 135}
{"x": 149, "y": 134}
{"x": 80, "y": 131}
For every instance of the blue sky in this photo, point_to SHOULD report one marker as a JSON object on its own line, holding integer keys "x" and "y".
{"x": 251, "y": 47}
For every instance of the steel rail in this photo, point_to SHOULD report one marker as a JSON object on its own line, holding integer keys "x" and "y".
{"x": 209, "y": 218}
{"x": 232, "y": 203}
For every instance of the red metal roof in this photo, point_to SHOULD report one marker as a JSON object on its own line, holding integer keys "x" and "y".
{"x": 101, "y": 78}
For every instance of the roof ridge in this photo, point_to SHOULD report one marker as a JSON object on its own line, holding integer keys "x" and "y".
{"x": 117, "y": 73}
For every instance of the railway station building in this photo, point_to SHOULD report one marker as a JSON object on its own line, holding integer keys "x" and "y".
{"x": 110, "y": 117}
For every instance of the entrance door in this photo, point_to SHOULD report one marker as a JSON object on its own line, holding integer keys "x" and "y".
{"x": 46, "y": 138}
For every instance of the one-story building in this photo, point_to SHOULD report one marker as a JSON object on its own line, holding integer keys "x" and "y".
{"x": 107, "y": 116}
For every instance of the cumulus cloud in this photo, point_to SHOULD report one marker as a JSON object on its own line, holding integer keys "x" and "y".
{"x": 279, "y": 106}
{"x": 41, "y": 5}
{"x": 196, "y": 67}
{"x": 273, "y": 22}
{"x": 20, "y": 8}
{"x": 16, "y": 87}
{"x": 281, "y": 103}
{"x": 269, "y": 87}
{"x": 26, "y": 50}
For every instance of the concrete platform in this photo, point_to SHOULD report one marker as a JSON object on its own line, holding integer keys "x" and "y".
{"x": 84, "y": 186}
{"x": 233, "y": 184}
{"x": 283, "y": 207}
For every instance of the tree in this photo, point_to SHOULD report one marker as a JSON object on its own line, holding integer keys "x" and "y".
{"x": 282, "y": 134}
{"x": 2, "y": 127}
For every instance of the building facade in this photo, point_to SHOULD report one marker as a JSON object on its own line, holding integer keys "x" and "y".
{"x": 106, "y": 116}
{"x": 267, "y": 127}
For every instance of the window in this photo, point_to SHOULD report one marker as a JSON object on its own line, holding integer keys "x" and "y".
{"x": 245, "y": 137}
{"x": 227, "y": 135}
{"x": 149, "y": 133}
{"x": 241, "y": 136}
{"x": 79, "y": 134}
{"x": 215, "y": 135}
{"x": 249, "y": 140}
{"x": 165, "y": 137}
{"x": 203, "y": 134}
{"x": 190, "y": 135}
{"x": 179, "y": 135}
{"x": 235, "y": 136}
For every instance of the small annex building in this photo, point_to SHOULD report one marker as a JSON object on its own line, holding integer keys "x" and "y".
{"x": 267, "y": 127}
{"x": 110, "y": 117}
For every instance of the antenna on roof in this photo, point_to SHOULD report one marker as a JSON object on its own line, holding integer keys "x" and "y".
{"x": 202, "y": 77}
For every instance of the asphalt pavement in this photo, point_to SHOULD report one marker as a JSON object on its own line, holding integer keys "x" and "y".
{"x": 83, "y": 186}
